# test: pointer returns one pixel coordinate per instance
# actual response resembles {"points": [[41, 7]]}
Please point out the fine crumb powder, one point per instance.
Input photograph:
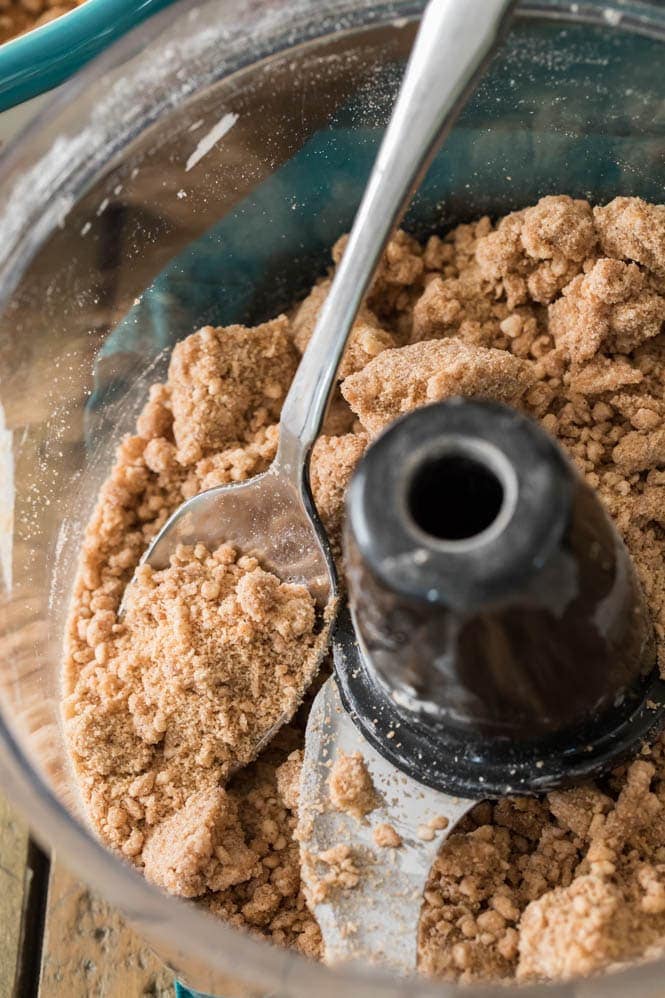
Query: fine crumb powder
{"points": [[351, 787], [218, 653], [557, 309], [200, 848]]}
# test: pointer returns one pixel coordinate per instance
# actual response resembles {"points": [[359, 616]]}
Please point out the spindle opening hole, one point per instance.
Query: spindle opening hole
{"points": [[455, 497]]}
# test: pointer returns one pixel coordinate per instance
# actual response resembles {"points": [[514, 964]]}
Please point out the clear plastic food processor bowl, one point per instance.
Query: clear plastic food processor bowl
{"points": [[198, 172]]}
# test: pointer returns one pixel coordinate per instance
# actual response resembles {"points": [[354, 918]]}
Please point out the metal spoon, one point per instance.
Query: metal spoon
{"points": [[273, 515]]}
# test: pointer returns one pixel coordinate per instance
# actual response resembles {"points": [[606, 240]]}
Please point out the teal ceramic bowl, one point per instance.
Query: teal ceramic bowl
{"points": [[43, 58]]}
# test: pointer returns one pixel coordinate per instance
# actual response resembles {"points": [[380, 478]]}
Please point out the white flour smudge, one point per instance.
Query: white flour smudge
{"points": [[224, 125]]}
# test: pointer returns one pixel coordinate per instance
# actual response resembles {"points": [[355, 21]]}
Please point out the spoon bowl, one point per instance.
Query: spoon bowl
{"points": [[267, 516]]}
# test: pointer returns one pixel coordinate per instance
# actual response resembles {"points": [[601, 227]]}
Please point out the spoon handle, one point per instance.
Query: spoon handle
{"points": [[455, 41]]}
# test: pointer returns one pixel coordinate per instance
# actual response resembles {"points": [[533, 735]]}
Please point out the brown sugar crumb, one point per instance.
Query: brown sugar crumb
{"points": [[386, 837], [227, 383], [637, 451], [457, 306], [367, 338], [611, 306], [342, 872], [351, 787], [234, 464], [534, 253], [135, 750], [131, 717], [397, 281], [613, 911], [199, 848], [288, 779], [576, 809], [463, 933], [271, 903], [436, 311], [218, 652], [631, 229], [572, 930], [556, 308], [103, 734], [401, 380], [212, 655], [603, 374]]}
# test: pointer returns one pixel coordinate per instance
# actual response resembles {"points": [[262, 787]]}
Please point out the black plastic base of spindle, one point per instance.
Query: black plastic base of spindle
{"points": [[459, 763]]}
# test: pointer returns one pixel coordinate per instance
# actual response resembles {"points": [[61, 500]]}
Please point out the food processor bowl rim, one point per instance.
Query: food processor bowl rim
{"points": [[212, 942]]}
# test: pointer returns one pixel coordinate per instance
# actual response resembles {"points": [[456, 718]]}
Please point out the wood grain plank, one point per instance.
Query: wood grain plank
{"points": [[14, 842], [90, 952]]}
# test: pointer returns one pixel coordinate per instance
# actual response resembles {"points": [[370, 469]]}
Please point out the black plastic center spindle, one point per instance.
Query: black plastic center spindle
{"points": [[454, 496], [506, 640]]}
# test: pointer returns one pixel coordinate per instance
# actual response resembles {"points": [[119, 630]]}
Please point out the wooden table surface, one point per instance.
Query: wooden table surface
{"points": [[57, 939]]}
